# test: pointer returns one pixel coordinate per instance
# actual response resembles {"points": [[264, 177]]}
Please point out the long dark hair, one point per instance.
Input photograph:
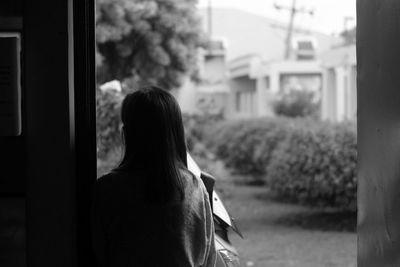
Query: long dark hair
{"points": [[154, 140]]}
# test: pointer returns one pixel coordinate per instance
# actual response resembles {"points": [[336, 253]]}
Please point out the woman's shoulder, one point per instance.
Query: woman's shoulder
{"points": [[194, 183], [120, 187], [119, 178], [190, 177], [107, 179]]}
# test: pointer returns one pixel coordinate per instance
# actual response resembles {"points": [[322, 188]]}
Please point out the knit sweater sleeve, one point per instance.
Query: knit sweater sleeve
{"points": [[211, 254]]}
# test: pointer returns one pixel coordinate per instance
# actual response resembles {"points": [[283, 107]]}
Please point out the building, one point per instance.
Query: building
{"points": [[257, 69], [255, 83], [246, 69], [247, 33], [339, 95], [210, 93]]}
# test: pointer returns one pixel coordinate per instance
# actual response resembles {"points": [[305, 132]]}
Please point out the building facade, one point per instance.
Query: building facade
{"points": [[339, 94], [209, 95], [243, 72], [255, 84]]}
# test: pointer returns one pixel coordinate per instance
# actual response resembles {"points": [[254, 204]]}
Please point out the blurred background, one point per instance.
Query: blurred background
{"points": [[268, 92]]}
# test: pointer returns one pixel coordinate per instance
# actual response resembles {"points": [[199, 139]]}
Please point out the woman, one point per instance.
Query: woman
{"points": [[151, 211]]}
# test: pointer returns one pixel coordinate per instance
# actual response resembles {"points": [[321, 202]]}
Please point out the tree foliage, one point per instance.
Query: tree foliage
{"points": [[300, 160], [150, 41], [297, 103], [349, 36], [108, 105]]}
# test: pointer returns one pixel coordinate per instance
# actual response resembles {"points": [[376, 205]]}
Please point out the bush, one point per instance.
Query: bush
{"points": [[197, 125], [297, 104], [316, 165], [301, 160], [245, 146], [109, 161], [108, 104], [220, 138]]}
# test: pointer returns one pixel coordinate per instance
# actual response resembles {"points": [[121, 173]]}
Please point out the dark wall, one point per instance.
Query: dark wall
{"points": [[378, 58], [46, 173], [50, 150], [12, 157], [12, 168], [11, 8]]}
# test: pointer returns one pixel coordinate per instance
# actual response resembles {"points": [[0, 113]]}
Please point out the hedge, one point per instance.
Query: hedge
{"points": [[317, 166], [196, 125], [108, 105], [300, 160], [297, 103], [246, 145]]}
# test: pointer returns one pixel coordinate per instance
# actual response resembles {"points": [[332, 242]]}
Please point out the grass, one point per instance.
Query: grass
{"points": [[283, 235]]}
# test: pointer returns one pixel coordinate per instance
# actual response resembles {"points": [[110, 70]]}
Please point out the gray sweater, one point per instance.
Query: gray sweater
{"points": [[129, 229]]}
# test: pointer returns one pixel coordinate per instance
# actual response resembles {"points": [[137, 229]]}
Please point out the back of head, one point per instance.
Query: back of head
{"points": [[154, 139]]}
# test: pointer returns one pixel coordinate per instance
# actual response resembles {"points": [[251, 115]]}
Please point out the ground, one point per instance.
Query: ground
{"points": [[282, 235]]}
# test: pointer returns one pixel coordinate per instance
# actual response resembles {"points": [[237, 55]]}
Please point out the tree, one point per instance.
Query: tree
{"points": [[153, 41], [297, 103], [349, 36]]}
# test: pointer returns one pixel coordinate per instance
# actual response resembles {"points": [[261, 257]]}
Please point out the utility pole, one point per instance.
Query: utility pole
{"points": [[293, 12], [209, 17], [210, 25]]}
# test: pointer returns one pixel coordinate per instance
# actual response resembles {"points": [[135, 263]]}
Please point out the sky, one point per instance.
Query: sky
{"points": [[328, 14]]}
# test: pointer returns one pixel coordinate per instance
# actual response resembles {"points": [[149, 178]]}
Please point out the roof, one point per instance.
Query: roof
{"points": [[257, 34], [339, 56]]}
